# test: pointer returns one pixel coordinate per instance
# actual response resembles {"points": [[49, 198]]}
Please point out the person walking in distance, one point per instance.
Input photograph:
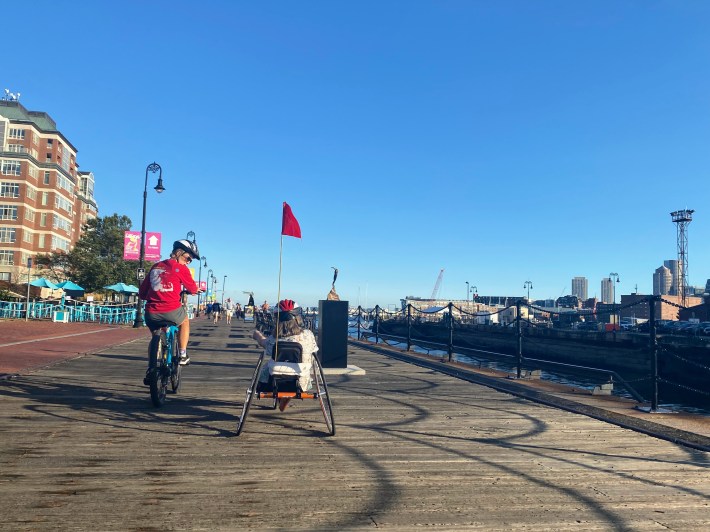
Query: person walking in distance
{"points": [[216, 311], [228, 310]]}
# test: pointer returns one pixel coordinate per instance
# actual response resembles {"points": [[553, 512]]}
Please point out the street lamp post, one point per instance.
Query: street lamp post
{"points": [[528, 285], [467, 293], [199, 283], [224, 284], [474, 291], [210, 276], [613, 276], [154, 168]]}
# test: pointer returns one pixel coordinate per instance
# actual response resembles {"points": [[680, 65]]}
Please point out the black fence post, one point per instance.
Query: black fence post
{"points": [[451, 331], [359, 319], [520, 338], [409, 326], [377, 324], [654, 351]]}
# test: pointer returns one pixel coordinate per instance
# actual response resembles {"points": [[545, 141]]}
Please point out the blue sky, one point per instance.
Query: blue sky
{"points": [[502, 141]]}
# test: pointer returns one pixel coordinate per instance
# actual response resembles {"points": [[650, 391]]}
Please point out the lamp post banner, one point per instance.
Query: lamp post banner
{"points": [[152, 246], [131, 245], [203, 286]]}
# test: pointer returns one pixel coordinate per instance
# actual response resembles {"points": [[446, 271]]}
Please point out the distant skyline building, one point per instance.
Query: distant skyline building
{"points": [[674, 266], [44, 198], [580, 287], [607, 290], [662, 281]]}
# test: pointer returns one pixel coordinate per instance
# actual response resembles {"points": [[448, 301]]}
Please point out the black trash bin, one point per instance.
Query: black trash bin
{"points": [[333, 333]]}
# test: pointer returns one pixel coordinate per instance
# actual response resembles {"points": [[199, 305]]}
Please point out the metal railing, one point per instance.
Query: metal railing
{"points": [[448, 328]]}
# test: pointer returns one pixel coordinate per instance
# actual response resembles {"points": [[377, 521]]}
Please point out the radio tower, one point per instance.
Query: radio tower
{"points": [[682, 219]]}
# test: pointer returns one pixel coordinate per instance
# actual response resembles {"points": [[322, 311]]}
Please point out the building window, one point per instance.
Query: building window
{"points": [[7, 257], [40, 241], [49, 143], [35, 138], [45, 198], [66, 184], [31, 171], [61, 223], [30, 192], [46, 178], [7, 235], [43, 219], [49, 158], [29, 214], [9, 190], [61, 202], [8, 212], [60, 243], [11, 167], [5, 276], [16, 133], [27, 236]]}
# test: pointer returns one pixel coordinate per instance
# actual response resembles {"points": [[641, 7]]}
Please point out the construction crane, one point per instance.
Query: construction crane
{"points": [[437, 286]]}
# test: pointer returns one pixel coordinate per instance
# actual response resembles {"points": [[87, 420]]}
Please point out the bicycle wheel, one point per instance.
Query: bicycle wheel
{"points": [[158, 372], [176, 368], [323, 397], [250, 395]]}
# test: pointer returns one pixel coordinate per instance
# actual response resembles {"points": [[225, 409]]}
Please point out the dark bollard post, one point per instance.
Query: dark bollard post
{"points": [[377, 324], [451, 331], [359, 319], [409, 326], [654, 351], [520, 338]]}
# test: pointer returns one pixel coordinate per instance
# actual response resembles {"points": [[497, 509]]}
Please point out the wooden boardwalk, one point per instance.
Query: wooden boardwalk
{"points": [[82, 448]]}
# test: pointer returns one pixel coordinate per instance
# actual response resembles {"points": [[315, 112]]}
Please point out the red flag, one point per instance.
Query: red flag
{"points": [[289, 224]]}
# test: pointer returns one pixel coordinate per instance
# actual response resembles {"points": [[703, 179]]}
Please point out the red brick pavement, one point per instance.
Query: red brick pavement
{"points": [[27, 345]]}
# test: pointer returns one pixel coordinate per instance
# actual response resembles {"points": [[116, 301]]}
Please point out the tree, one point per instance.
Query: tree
{"points": [[97, 258]]}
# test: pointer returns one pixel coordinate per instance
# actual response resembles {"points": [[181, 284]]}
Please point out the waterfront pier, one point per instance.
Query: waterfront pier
{"points": [[82, 447]]}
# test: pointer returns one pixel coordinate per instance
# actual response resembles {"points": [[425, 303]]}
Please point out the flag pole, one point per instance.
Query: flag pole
{"points": [[278, 299]]}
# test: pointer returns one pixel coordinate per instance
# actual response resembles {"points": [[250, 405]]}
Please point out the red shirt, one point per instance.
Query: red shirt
{"points": [[161, 288]]}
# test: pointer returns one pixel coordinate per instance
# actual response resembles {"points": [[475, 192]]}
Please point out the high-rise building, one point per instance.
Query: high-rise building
{"points": [[674, 266], [607, 290], [44, 198], [580, 287], [662, 281]]}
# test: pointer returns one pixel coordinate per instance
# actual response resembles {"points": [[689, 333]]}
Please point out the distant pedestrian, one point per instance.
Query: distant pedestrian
{"points": [[216, 311], [265, 306], [209, 310], [238, 311], [228, 310]]}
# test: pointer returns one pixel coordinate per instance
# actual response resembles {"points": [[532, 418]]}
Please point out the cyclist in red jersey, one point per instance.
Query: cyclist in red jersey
{"points": [[161, 290]]}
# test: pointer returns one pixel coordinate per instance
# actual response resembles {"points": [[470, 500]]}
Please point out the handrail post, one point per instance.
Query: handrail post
{"points": [[359, 319], [377, 324], [654, 351], [451, 331], [409, 326], [520, 338]]}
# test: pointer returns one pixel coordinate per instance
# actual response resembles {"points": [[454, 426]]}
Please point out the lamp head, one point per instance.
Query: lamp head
{"points": [[159, 187]]}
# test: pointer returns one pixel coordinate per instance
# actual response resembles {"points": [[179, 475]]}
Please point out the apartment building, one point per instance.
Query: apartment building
{"points": [[44, 198], [580, 287]]}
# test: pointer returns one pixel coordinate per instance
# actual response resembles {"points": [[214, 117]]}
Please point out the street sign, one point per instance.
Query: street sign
{"points": [[140, 274]]}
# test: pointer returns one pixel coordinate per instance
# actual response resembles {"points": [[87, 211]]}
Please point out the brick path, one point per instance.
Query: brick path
{"points": [[28, 345]]}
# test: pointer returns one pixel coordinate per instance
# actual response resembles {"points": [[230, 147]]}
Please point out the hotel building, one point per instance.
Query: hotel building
{"points": [[44, 198]]}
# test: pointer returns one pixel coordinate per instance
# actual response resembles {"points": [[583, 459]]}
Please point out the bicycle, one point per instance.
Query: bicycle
{"points": [[164, 362]]}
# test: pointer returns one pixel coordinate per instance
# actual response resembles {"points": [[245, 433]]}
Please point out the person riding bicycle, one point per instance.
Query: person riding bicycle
{"points": [[161, 290]]}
